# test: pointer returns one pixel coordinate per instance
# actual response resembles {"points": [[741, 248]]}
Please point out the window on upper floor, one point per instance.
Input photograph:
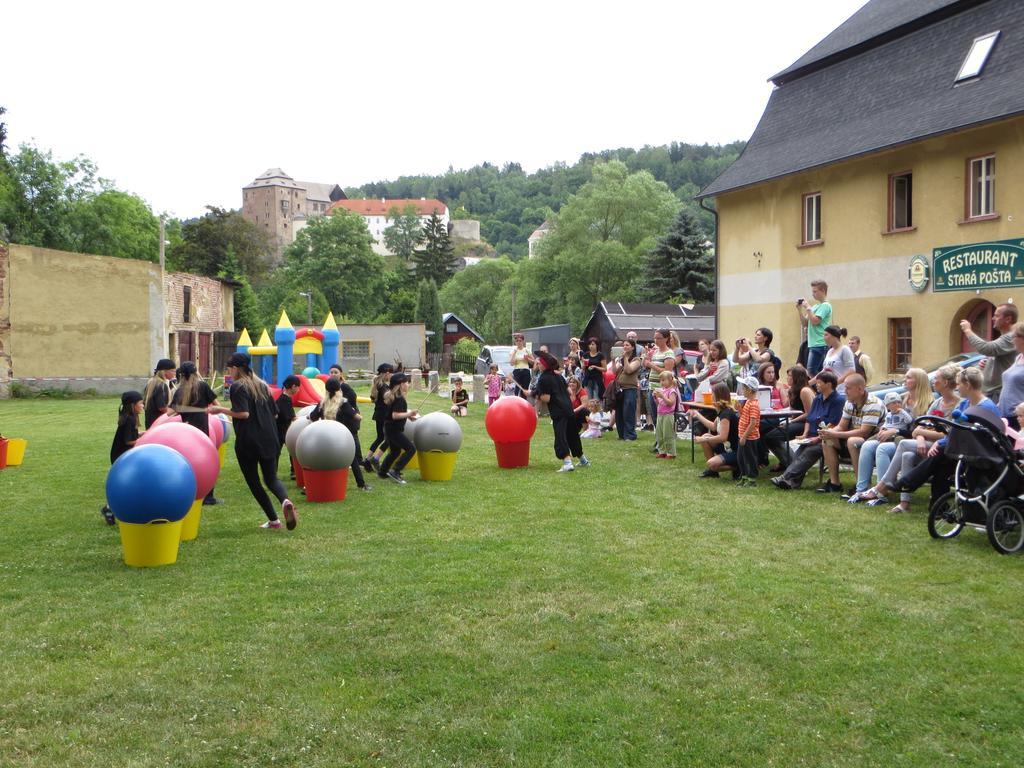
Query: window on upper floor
{"points": [[811, 219], [977, 57], [901, 201], [186, 304], [981, 189]]}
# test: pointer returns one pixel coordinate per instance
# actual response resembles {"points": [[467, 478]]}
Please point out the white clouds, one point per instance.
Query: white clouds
{"points": [[186, 103]]}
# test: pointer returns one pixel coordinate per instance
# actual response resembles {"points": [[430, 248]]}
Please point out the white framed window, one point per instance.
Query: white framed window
{"points": [[811, 219], [451, 328], [977, 57], [355, 350], [981, 190]]}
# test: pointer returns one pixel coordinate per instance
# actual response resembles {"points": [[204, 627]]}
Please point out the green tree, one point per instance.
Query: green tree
{"points": [[205, 243], [428, 312], [115, 223], [595, 247], [436, 260], [401, 303], [3, 132], [472, 294], [334, 254], [405, 233], [680, 267], [277, 295]]}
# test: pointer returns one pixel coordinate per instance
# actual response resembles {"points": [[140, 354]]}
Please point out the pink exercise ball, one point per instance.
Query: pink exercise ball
{"points": [[216, 429], [191, 443], [609, 376], [166, 418], [510, 420]]}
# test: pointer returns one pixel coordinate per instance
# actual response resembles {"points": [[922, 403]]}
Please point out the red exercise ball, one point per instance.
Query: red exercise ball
{"points": [[609, 376], [191, 443], [510, 420]]}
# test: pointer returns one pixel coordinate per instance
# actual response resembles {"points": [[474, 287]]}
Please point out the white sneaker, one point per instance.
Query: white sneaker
{"points": [[567, 468]]}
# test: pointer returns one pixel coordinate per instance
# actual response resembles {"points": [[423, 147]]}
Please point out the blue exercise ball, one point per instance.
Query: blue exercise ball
{"points": [[150, 482]]}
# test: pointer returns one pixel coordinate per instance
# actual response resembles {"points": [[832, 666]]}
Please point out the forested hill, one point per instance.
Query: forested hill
{"points": [[510, 204]]}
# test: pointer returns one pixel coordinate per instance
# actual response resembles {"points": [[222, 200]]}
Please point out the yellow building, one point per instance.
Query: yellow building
{"points": [[889, 162]]}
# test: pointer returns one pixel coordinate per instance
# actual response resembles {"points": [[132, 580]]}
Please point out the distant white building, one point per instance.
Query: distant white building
{"points": [[536, 236], [375, 214]]}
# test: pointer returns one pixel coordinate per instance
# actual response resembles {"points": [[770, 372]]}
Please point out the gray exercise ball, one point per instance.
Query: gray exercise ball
{"points": [[293, 433], [325, 445], [438, 432], [305, 411], [410, 429]]}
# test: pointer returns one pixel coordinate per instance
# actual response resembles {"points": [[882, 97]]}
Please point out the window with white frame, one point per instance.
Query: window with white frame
{"points": [[977, 57], [812, 218], [982, 187]]}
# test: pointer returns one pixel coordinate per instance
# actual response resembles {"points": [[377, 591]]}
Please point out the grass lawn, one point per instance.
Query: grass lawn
{"points": [[630, 614]]}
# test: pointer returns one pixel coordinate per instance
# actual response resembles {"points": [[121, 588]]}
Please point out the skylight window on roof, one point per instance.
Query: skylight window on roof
{"points": [[975, 61]]}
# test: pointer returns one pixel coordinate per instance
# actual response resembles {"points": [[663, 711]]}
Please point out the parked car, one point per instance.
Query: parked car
{"points": [[494, 355], [963, 360]]}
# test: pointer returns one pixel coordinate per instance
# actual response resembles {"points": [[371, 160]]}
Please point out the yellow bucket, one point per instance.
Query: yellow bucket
{"points": [[436, 465], [222, 452], [150, 544], [190, 523], [16, 451]]}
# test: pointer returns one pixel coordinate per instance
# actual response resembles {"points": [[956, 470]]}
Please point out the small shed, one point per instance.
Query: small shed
{"points": [[455, 328], [556, 337], [612, 320]]}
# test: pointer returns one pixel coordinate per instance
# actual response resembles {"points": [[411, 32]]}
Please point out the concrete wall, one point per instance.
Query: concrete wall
{"points": [[82, 321], [388, 342], [5, 321], [466, 229], [764, 269]]}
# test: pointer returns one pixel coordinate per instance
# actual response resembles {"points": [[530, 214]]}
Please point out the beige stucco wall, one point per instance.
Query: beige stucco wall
{"points": [[763, 270], [78, 315]]}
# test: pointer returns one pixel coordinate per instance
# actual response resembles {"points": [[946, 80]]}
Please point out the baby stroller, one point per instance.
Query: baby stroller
{"points": [[987, 483]]}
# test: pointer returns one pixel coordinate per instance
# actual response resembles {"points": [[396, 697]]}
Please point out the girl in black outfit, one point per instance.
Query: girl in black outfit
{"points": [[190, 400], [552, 390], [400, 448], [593, 370], [158, 391], [336, 406], [125, 436], [378, 387], [256, 447]]}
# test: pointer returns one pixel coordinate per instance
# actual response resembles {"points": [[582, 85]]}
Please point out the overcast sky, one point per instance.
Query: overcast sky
{"points": [[184, 103]]}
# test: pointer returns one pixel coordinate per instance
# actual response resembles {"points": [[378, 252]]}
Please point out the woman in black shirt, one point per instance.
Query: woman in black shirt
{"points": [[190, 400], [336, 406], [593, 366], [256, 446], [552, 390], [400, 448], [378, 387]]}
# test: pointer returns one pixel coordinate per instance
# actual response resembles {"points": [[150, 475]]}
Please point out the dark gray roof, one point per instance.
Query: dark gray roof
{"points": [[877, 19], [896, 93]]}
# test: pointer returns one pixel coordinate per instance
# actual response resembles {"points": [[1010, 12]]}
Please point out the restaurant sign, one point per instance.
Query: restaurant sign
{"points": [[979, 266]]}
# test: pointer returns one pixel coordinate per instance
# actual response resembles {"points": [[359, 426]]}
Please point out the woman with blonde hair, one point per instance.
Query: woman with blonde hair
{"points": [[254, 415], [191, 400]]}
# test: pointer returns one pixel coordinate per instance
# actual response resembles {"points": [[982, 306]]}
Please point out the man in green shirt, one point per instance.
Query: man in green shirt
{"points": [[818, 317]]}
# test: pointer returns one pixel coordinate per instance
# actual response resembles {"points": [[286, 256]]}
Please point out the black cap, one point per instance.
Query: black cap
{"points": [[398, 378], [188, 368], [165, 365], [385, 368], [130, 397], [240, 360]]}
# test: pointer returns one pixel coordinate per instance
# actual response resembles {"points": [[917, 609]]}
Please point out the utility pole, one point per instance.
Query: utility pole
{"points": [[309, 305]]}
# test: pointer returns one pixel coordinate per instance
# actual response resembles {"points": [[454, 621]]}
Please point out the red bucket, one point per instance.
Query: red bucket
{"points": [[513, 455], [325, 485], [299, 477], [3, 452]]}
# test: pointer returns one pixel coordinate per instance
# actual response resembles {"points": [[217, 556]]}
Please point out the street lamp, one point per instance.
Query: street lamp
{"points": [[308, 295]]}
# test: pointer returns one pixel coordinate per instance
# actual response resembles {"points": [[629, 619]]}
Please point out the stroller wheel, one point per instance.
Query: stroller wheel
{"points": [[1005, 528], [945, 518]]}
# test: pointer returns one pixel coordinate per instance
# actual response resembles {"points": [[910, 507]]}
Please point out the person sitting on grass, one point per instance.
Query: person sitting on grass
{"points": [[720, 441], [750, 432], [667, 398], [826, 410], [862, 414], [460, 399], [593, 419]]}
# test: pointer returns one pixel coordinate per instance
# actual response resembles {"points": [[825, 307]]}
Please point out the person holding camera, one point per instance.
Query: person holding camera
{"points": [[818, 317]]}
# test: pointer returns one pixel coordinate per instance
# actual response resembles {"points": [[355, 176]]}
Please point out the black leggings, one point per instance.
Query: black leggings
{"points": [[357, 462], [567, 437], [522, 378], [251, 465], [381, 440], [401, 448]]}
